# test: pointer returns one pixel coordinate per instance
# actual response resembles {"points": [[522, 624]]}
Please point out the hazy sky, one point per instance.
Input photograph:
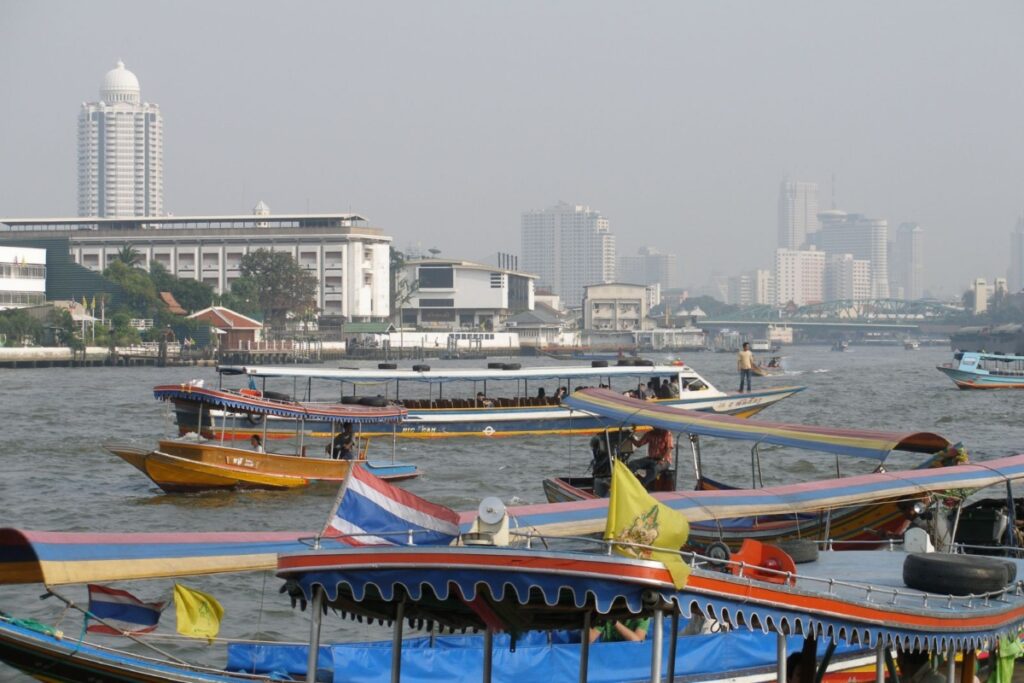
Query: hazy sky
{"points": [[443, 121]]}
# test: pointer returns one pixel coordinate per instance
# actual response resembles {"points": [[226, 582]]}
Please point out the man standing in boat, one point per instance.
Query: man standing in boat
{"points": [[745, 364], [659, 455]]}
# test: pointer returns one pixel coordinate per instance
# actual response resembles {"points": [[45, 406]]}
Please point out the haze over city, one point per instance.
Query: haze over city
{"points": [[444, 122]]}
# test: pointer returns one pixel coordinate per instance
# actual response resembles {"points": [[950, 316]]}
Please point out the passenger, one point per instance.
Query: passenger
{"points": [[659, 455], [482, 401], [673, 388], [561, 393], [541, 393], [343, 446], [257, 443], [616, 631], [745, 364], [663, 390]]}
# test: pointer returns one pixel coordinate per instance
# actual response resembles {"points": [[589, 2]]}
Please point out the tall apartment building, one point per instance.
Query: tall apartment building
{"points": [[798, 213], [865, 238], [120, 151], [906, 262], [847, 278], [647, 267], [1015, 274], [568, 246], [799, 276], [753, 288]]}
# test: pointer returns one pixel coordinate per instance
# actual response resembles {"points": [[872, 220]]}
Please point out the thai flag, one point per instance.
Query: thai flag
{"points": [[124, 612], [370, 511]]}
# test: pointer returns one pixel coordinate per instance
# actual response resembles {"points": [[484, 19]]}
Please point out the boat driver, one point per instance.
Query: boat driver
{"points": [[659, 455], [343, 446]]}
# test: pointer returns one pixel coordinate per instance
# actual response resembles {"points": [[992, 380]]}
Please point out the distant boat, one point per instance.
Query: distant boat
{"points": [[911, 345], [841, 345], [977, 370]]}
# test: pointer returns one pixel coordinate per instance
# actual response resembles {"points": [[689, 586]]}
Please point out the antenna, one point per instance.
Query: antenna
{"points": [[834, 190]]}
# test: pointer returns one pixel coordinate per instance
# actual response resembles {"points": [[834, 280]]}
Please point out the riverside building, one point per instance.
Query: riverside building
{"points": [[120, 151], [350, 260], [22, 277]]}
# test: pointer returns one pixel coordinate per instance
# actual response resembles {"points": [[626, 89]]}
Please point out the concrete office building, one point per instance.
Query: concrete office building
{"points": [[452, 294], [22, 277], [906, 265], [847, 278], [615, 307], [865, 238], [120, 151], [799, 276], [568, 247], [350, 260], [647, 267], [798, 213]]}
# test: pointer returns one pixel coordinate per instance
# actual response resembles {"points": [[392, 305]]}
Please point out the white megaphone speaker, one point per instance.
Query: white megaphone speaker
{"points": [[490, 526]]}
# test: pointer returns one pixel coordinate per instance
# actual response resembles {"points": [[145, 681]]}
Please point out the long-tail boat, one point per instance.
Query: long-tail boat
{"points": [[857, 598], [196, 464], [862, 524], [494, 402]]}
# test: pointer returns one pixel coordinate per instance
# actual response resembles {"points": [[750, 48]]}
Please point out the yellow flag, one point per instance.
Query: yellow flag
{"points": [[634, 516], [198, 613]]}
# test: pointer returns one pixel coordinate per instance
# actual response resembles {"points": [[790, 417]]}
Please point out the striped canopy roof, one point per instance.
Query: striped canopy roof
{"points": [[258, 405], [620, 410]]}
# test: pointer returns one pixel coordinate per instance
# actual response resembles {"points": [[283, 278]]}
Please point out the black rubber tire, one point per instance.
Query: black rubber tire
{"points": [[510, 366], [349, 400], [421, 367], [387, 366], [494, 366], [645, 363], [801, 550], [277, 396], [373, 401], [598, 363], [625, 362], [254, 418], [957, 574], [719, 553]]}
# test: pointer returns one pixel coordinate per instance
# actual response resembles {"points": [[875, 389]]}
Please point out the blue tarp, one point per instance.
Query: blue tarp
{"points": [[458, 658]]}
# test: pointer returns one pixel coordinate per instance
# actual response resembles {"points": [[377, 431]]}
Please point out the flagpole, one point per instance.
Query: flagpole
{"points": [[106, 623]]}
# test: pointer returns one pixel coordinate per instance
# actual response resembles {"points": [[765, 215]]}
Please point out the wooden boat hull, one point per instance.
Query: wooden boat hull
{"points": [[181, 467], [448, 422], [859, 527]]}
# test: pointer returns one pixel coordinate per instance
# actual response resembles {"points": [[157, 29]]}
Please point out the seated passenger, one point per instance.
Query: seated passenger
{"points": [[343, 446], [659, 455], [482, 401], [617, 631]]}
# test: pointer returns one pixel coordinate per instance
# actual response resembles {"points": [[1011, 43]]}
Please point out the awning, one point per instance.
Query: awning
{"points": [[620, 410]]}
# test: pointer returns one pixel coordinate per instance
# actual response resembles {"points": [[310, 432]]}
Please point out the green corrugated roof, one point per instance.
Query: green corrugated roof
{"points": [[366, 328]]}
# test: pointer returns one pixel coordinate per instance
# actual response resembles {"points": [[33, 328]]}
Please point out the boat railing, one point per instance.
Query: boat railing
{"points": [[871, 593]]}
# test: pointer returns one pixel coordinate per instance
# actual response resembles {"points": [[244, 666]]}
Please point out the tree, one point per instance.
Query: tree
{"points": [[129, 256], [282, 286], [137, 285], [243, 297], [18, 325]]}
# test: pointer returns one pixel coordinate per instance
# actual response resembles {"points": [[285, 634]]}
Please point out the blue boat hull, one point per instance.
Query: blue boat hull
{"points": [[981, 380]]}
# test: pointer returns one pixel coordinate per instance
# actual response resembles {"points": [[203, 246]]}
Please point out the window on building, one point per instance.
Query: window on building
{"points": [[437, 303], [436, 277]]}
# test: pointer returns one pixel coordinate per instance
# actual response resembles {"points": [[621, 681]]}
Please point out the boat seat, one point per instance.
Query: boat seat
{"points": [[756, 557], [443, 403]]}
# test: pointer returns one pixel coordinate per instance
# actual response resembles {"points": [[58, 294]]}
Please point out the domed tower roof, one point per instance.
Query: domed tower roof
{"points": [[120, 85], [261, 209]]}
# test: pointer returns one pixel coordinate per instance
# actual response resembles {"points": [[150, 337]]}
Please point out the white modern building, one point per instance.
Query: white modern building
{"points": [[452, 295], [568, 246], [22, 277], [350, 260], [647, 267], [865, 238], [981, 293], [847, 278], [798, 213], [120, 151], [799, 276], [906, 265], [614, 307]]}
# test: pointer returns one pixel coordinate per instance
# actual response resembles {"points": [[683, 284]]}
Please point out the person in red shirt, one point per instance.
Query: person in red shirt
{"points": [[659, 455]]}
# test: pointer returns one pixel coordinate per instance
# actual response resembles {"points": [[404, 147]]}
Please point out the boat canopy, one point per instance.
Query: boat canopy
{"points": [[258, 405], [56, 557], [618, 409], [357, 375], [589, 516]]}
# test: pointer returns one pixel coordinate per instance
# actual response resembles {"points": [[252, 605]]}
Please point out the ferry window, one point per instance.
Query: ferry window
{"points": [[436, 277]]}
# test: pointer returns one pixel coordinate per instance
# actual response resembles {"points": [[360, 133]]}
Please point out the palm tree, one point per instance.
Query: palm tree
{"points": [[129, 256]]}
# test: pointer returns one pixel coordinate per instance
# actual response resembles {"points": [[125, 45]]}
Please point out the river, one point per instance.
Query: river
{"points": [[57, 476]]}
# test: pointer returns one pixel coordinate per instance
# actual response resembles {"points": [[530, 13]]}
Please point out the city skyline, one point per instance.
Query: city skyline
{"points": [[681, 150]]}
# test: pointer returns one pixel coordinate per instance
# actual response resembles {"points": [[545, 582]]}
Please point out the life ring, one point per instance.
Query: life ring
{"points": [[957, 574], [488, 430]]}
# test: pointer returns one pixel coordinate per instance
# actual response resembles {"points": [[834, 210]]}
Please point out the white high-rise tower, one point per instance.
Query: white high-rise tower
{"points": [[120, 151], [798, 213]]}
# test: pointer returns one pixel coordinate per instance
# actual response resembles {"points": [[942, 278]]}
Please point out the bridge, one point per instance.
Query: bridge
{"points": [[893, 316]]}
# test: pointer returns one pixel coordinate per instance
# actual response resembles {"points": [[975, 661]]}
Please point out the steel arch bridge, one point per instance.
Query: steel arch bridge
{"points": [[849, 309]]}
